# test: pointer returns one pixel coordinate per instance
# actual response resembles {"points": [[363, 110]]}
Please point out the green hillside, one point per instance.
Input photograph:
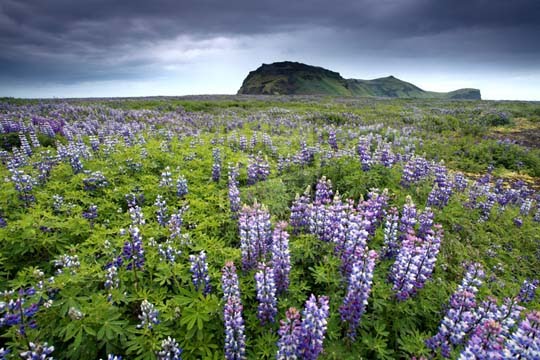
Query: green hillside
{"points": [[292, 78]]}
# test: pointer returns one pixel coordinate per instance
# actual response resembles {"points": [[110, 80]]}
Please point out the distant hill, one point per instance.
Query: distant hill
{"points": [[293, 78]]}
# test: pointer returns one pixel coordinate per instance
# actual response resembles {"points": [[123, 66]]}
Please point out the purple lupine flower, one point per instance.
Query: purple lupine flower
{"points": [[3, 353], [17, 310], [314, 324], [76, 163], [440, 193], [166, 178], [170, 350], [25, 145], [391, 244], [38, 352], [149, 315], [167, 251], [340, 216], [363, 149], [234, 197], [199, 271], [320, 221], [181, 186], [415, 263], [408, 217], [358, 290], [255, 235], [373, 209], [355, 245], [133, 252], [281, 258], [111, 280], [3, 222], [216, 166], [323, 191], [414, 171], [486, 206], [66, 261], [425, 223], [235, 339], [24, 185], [175, 223], [96, 180], [460, 182], [134, 199], [136, 215], [486, 343], [525, 341], [527, 292], [258, 169], [384, 155], [332, 139], [161, 211], [307, 155], [299, 213], [266, 294], [243, 143], [461, 315], [289, 333], [91, 214], [253, 141], [229, 281], [507, 315]]}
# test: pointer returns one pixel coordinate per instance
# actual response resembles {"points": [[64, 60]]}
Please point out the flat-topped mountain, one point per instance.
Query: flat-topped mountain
{"points": [[293, 78]]}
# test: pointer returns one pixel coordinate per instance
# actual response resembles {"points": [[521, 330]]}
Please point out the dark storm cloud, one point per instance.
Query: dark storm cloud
{"points": [[67, 40]]}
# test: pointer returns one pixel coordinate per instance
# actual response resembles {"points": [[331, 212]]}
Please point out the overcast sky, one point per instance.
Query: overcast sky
{"points": [[72, 48]]}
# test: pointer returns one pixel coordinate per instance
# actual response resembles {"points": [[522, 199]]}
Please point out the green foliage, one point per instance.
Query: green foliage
{"points": [[87, 321]]}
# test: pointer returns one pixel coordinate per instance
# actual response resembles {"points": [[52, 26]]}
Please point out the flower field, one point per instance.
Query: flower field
{"points": [[268, 227]]}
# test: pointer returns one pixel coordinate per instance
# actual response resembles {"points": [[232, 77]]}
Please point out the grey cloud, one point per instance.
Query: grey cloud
{"points": [[73, 40]]}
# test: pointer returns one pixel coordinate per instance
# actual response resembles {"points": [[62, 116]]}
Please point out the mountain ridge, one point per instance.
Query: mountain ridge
{"points": [[294, 78]]}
